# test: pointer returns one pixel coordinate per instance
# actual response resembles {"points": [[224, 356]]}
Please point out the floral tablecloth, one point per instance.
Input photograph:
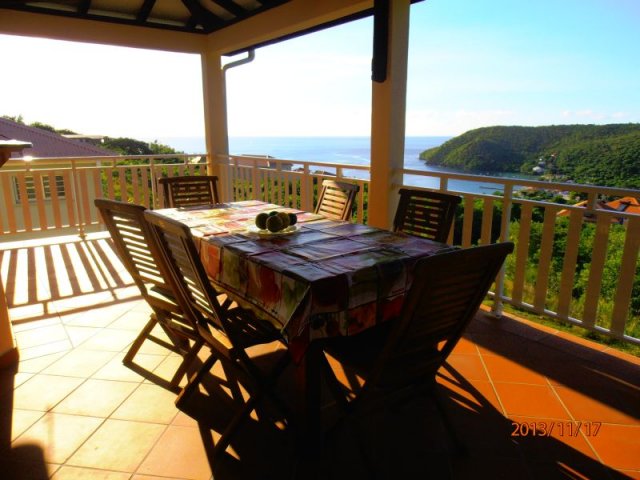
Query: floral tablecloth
{"points": [[328, 278]]}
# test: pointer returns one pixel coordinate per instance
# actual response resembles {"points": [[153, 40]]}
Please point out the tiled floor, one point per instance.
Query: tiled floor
{"points": [[73, 411]]}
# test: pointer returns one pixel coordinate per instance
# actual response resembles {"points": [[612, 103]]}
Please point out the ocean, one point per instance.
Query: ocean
{"points": [[353, 150]]}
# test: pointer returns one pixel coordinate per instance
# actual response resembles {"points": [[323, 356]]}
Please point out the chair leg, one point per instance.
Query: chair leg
{"points": [[186, 362], [195, 380], [137, 343]]}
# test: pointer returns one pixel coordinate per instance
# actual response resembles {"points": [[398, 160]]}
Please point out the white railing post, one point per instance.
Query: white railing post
{"points": [[76, 200], [505, 223]]}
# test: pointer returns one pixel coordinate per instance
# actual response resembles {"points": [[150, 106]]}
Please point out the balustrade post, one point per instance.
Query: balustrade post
{"points": [[505, 223], [76, 200]]}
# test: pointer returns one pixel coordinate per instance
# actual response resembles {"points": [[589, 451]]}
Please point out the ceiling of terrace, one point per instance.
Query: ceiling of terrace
{"points": [[194, 16]]}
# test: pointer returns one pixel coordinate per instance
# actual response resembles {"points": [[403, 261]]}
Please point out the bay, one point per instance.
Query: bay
{"points": [[345, 150]]}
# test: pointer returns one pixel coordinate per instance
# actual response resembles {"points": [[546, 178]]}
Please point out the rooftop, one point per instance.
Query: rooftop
{"points": [[74, 411], [47, 144]]}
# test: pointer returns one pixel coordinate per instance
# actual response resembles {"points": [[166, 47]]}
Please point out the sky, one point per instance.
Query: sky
{"points": [[472, 63]]}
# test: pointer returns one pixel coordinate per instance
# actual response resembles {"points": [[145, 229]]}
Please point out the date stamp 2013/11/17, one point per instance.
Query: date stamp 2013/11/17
{"points": [[562, 429]]}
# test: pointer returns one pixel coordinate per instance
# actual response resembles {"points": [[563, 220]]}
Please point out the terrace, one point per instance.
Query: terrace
{"points": [[73, 410]]}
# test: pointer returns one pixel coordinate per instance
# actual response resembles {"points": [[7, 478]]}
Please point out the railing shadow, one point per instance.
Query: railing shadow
{"points": [[598, 375], [65, 277]]}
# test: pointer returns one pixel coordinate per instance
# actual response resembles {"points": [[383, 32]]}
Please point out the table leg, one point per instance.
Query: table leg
{"points": [[308, 392]]}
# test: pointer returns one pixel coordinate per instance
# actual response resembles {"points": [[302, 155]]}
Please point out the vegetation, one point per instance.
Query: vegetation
{"points": [[610, 275], [607, 155]]}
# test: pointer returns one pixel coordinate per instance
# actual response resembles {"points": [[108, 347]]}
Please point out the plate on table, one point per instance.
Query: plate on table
{"points": [[266, 233]]}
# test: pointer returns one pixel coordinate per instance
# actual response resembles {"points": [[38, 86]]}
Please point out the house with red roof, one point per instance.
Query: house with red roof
{"points": [[624, 204], [48, 180]]}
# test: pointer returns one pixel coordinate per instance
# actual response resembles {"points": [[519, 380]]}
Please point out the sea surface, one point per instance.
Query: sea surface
{"points": [[349, 150]]}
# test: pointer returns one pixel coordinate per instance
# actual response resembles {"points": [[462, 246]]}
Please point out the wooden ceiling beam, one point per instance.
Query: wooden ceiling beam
{"points": [[145, 10], [201, 15], [84, 7], [231, 7]]}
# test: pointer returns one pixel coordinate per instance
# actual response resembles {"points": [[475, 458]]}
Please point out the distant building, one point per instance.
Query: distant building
{"points": [[48, 144], [624, 204], [45, 187]]}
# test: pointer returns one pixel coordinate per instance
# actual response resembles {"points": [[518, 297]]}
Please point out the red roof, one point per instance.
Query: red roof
{"points": [[47, 144], [624, 204]]}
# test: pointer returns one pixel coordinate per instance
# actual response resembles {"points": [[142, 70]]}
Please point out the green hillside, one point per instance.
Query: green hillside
{"points": [[597, 154]]}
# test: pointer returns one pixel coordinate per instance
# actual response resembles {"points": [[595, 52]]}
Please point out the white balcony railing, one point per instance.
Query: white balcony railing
{"points": [[580, 266]]}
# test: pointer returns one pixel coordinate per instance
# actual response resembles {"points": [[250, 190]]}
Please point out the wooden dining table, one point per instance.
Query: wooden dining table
{"points": [[320, 279]]}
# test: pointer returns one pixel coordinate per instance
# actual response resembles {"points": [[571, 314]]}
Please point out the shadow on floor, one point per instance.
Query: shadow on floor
{"points": [[406, 440], [25, 462], [600, 376], [42, 278]]}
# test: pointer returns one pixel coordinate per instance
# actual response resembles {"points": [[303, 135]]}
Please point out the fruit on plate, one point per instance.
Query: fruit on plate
{"points": [[284, 218], [274, 223], [261, 220]]}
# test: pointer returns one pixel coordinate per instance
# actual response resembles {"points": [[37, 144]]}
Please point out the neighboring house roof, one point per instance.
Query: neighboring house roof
{"points": [[624, 204], [47, 144]]}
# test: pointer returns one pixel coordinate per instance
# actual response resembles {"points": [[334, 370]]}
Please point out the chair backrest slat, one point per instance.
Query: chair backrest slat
{"points": [[194, 292], [130, 234], [336, 199], [427, 214], [190, 190], [445, 295]]}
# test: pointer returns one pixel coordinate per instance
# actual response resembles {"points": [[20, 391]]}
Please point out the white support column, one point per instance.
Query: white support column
{"points": [[388, 107], [215, 111]]}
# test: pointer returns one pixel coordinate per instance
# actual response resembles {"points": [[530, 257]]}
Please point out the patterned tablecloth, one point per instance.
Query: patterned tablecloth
{"points": [[327, 278]]}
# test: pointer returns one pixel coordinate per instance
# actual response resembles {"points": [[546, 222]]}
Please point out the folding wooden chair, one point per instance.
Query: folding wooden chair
{"points": [[131, 237], [401, 356], [425, 214], [189, 191], [336, 199], [228, 333]]}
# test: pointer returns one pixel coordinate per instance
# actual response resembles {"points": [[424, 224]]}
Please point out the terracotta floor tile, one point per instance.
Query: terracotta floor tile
{"points": [[110, 339], [115, 370], [184, 420], [59, 346], [618, 445], [470, 366], [148, 403], [466, 345], [43, 392], [476, 397], [151, 477], [40, 336], [78, 473], [59, 435], [37, 364], [551, 439], [21, 420], [167, 368], [26, 326], [618, 405], [133, 320], [530, 401], [505, 370], [97, 398], [117, 445], [21, 377], [97, 319], [79, 363], [179, 453], [77, 335]]}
